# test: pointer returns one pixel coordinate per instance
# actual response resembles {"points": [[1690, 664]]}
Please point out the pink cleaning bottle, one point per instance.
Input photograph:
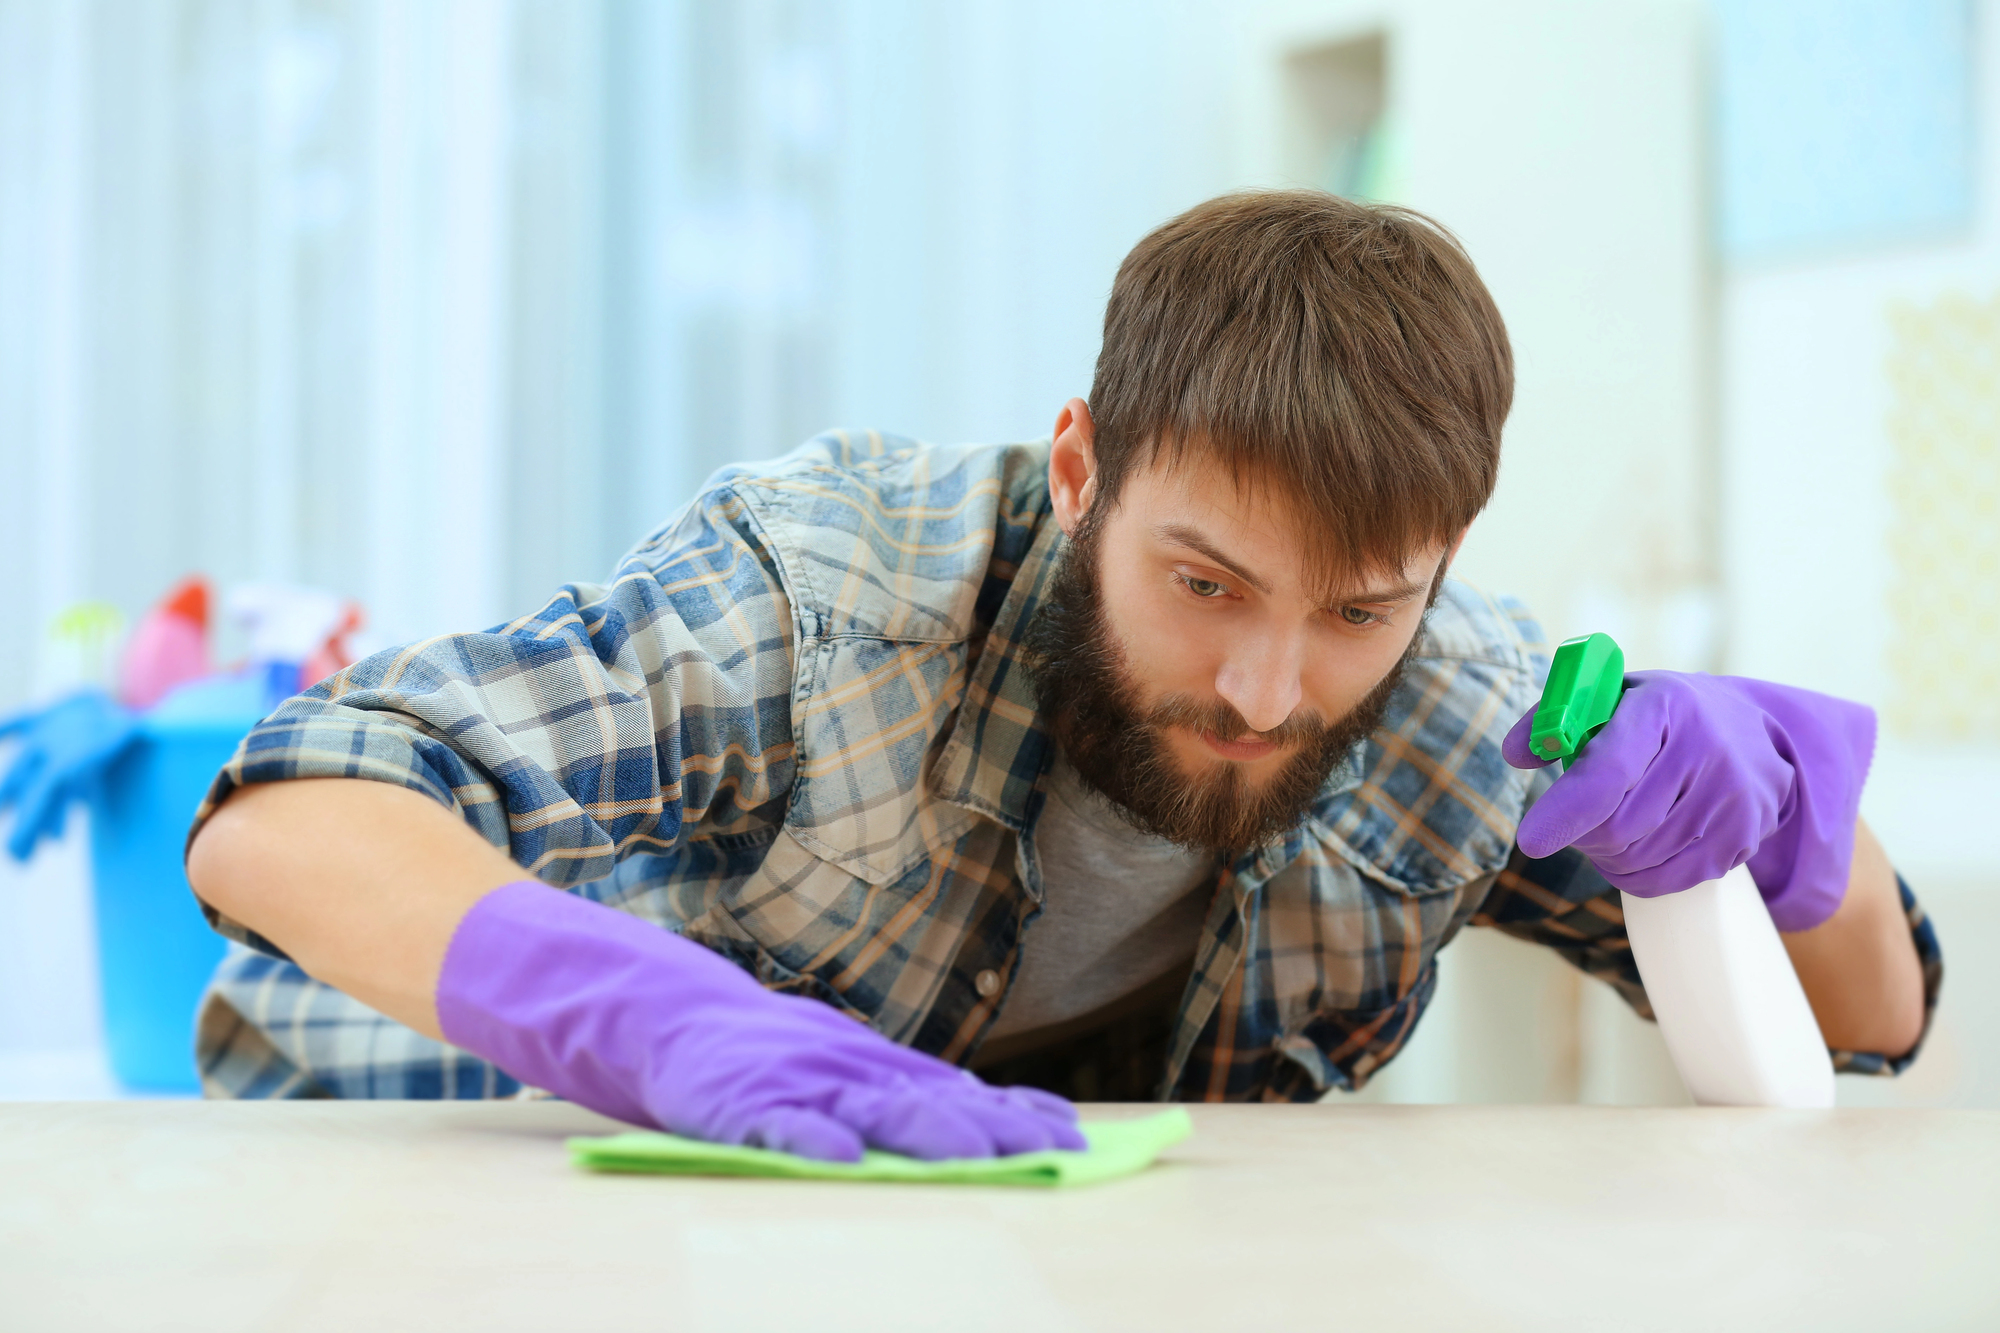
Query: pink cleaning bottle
{"points": [[169, 648]]}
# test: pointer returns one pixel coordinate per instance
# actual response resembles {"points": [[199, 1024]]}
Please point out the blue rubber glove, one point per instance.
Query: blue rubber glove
{"points": [[1695, 775], [636, 1022], [64, 750]]}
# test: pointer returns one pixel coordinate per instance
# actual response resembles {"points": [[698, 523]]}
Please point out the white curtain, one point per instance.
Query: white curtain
{"points": [[258, 316], [439, 304], [401, 299]]}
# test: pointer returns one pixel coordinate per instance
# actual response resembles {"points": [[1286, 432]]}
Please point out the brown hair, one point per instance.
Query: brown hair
{"points": [[1344, 356]]}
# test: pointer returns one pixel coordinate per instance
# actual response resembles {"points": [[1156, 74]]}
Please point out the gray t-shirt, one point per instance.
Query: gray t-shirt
{"points": [[1120, 910]]}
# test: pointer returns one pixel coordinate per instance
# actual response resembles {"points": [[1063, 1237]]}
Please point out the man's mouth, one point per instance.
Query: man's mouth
{"points": [[1242, 749]]}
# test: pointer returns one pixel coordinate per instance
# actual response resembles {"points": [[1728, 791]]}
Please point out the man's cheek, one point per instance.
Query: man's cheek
{"points": [[1167, 659], [1136, 626], [1348, 677]]}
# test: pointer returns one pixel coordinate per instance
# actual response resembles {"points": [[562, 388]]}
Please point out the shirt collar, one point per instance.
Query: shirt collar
{"points": [[998, 747]]}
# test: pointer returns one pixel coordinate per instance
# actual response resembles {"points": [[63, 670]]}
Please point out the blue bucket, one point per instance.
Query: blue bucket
{"points": [[155, 950]]}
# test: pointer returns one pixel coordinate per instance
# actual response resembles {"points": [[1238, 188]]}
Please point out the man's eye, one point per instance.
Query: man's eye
{"points": [[1203, 587], [1357, 617]]}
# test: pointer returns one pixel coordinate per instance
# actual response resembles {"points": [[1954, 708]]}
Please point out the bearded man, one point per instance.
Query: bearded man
{"points": [[893, 795]]}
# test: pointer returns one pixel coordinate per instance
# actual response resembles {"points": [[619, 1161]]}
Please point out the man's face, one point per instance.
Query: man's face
{"points": [[1193, 668]]}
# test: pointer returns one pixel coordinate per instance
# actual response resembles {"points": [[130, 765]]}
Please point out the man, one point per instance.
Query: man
{"points": [[1158, 760]]}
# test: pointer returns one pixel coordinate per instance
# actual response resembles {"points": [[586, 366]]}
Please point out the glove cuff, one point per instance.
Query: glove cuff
{"points": [[1802, 868], [569, 995]]}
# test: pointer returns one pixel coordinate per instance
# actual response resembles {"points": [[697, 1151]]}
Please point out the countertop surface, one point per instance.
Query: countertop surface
{"points": [[351, 1216]]}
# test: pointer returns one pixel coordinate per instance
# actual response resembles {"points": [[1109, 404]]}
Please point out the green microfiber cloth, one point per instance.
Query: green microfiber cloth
{"points": [[1117, 1148]]}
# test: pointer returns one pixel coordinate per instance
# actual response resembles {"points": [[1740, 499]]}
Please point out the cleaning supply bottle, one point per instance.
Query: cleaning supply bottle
{"points": [[1722, 987], [169, 648], [297, 636]]}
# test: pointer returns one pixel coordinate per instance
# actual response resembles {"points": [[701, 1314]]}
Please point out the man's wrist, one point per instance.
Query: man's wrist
{"points": [[1859, 965]]}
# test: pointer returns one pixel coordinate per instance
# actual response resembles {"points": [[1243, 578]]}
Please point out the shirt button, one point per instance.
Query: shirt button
{"points": [[986, 982]]}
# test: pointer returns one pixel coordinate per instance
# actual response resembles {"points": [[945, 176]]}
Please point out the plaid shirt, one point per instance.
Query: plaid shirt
{"points": [[795, 727]]}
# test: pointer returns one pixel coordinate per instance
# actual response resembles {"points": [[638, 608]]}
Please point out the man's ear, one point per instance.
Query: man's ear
{"points": [[1451, 552], [1073, 464]]}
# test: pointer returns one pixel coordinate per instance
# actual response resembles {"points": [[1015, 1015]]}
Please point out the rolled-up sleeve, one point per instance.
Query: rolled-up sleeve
{"points": [[606, 723]]}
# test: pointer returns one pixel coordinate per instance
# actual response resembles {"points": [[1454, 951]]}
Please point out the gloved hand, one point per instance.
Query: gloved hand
{"points": [[632, 1020], [1695, 775], [64, 750]]}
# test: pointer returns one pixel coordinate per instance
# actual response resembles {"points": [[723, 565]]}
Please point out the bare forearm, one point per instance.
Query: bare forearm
{"points": [[362, 883], [1859, 967]]}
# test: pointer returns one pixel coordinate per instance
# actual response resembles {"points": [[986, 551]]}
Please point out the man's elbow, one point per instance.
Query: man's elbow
{"points": [[1890, 1028], [219, 856]]}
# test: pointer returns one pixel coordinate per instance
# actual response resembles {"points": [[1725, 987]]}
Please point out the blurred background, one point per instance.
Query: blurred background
{"points": [[432, 306]]}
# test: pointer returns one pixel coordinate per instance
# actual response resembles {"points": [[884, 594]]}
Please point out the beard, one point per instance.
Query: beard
{"points": [[1118, 744]]}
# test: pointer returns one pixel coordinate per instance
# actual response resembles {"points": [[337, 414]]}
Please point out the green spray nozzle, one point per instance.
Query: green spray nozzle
{"points": [[1585, 680]]}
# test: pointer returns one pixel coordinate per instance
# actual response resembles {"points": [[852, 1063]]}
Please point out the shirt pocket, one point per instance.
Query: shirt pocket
{"points": [[805, 925], [1344, 965], [1344, 1048], [867, 720]]}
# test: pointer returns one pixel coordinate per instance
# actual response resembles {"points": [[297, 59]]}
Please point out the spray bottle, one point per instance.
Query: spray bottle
{"points": [[1734, 1016]]}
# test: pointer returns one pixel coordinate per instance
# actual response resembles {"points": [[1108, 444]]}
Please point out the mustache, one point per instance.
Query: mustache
{"points": [[1217, 717]]}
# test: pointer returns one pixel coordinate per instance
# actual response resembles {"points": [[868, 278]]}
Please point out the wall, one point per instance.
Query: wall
{"points": [[1818, 592]]}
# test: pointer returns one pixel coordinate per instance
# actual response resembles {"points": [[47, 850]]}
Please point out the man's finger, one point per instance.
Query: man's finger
{"points": [[1015, 1129], [915, 1121], [1059, 1109], [1514, 749], [807, 1133], [1590, 792], [1057, 1113]]}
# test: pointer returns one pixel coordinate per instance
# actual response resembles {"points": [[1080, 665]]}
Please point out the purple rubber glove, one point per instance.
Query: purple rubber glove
{"points": [[631, 1020], [1695, 775]]}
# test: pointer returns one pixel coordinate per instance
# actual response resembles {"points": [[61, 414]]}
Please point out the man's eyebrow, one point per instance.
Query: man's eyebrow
{"points": [[1399, 592], [1180, 534]]}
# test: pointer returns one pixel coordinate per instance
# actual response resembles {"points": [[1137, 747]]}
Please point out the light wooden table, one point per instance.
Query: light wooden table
{"points": [[426, 1216]]}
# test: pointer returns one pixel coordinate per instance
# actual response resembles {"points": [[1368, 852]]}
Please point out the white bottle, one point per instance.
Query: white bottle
{"points": [[1728, 1002]]}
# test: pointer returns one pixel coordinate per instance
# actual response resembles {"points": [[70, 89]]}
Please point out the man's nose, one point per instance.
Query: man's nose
{"points": [[1260, 680]]}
